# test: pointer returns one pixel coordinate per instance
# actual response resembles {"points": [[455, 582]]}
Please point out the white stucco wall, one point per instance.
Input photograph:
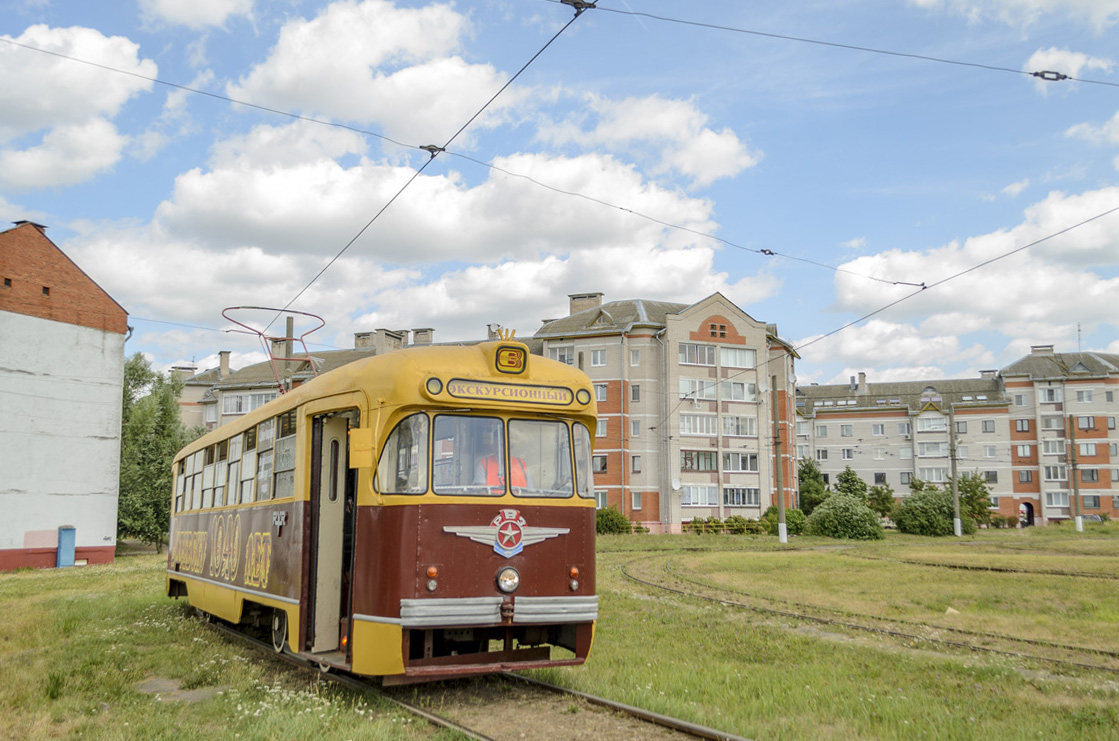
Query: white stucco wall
{"points": [[60, 413]]}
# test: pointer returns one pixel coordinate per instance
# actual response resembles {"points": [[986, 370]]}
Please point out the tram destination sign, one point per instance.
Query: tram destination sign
{"points": [[515, 393]]}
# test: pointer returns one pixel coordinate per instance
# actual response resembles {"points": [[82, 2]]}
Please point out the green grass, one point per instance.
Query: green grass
{"points": [[76, 644]]}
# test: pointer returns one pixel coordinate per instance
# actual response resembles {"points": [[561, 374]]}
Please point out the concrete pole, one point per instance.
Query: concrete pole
{"points": [[1076, 509], [782, 529], [957, 523]]}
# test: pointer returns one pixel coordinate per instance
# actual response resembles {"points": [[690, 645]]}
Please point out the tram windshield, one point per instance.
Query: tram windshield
{"points": [[480, 456]]}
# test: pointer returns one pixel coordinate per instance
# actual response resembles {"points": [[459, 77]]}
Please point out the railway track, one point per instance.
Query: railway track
{"points": [[1041, 652], [513, 707]]}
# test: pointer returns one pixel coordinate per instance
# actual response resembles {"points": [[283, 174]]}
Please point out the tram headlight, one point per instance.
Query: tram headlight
{"points": [[434, 386], [508, 580]]}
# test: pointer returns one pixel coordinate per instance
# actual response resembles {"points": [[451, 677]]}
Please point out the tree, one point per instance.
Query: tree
{"points": [[849, 483], [794, 521], [880, 498], [929, 511], [151, 434], [810, 481], [975, 498], [843, 516]]}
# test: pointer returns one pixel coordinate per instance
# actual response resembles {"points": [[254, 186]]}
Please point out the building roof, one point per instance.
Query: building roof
{"points": [[611, 318], [1039, 365], [912, 395]]}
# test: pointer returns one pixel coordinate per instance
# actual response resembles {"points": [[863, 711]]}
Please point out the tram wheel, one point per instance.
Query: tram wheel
{"points": [[279, 630]]}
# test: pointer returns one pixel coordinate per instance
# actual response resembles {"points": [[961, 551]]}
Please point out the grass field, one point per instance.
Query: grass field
{"points": [[757, 640]]}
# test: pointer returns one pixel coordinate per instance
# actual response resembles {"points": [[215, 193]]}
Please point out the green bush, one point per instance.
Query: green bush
{"points": [[609, 521], [929, 512], [701, 526], [841, 516], [739, 525], [794, 521]]}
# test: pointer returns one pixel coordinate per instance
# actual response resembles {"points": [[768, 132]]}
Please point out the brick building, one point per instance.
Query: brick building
{"points": [[61, 386]]}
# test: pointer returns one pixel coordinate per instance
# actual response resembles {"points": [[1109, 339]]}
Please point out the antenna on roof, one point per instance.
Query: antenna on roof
{"points": [[271, 342]]}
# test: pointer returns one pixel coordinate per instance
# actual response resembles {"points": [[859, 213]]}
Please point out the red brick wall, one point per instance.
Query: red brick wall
{"points": [[37, 279]]}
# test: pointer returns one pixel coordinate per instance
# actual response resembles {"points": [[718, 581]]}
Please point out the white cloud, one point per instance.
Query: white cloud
{"points": [[394, 67], [1063, 61], [196, 14], [674, 129], [39, 91], [68, 155], [1107, 133], [1015, 189], [1099, 13]]}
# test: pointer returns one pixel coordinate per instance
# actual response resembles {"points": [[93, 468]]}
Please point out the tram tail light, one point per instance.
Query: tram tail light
{"points": [[574, 572], [432, 572]]}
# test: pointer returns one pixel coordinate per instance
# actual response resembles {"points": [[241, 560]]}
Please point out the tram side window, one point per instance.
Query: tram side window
{"points": [[284, 462], [402, 468], [248, 466], [180, 485], [208, 479], [265, 435], [233, 479], [584, 479], [540, 458], [196, 480], [220, 473], [469, 455]]}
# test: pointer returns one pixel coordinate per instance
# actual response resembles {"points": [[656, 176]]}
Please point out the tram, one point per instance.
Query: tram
{"points": [[419, 515]]}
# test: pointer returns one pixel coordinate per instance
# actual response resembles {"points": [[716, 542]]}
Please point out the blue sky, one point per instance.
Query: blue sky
{"points": [[862, 172]]}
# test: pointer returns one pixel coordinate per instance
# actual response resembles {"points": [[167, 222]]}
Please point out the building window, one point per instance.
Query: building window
{"points": [[879, 478], [1084, 397], [932, 424], [598, 464], [1049, 395], [600, 498], [46, 290], [1053, 447], [802, 451], [933, 475], [741, 497], [1056, 473], [848, 454], [1109, 396], [988, 425], [821, 430], [693, 354], [244, 403], [1053, 423], [600, 428], [903, 428], [989, 451], [846, 430], [635, 393], [961, 452], [879, 454], [1019, 400], [905, 453], [932, 450], [635, 428], [699, 495], [878, 430], [802, 428], [739, 391], [740, 462], [1022, 425], [210, 414], [1024, 451], [636, 460], [1086, 423], [698, 424], [636, 499], [906, 477], [1090, 501], [697, 460], [1089, 475], [1087, 449], [1056, 499], [696, 388], [821, 454], [734, 357], [961, 428], [1111, 423], [563, 353], [598, 358], [740, 426], [600, 392], [635, 357], [991, 477], [1025, 477]]}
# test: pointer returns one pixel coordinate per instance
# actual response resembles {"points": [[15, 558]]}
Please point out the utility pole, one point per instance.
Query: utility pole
{"points": [[1072, 472], [957, 523], [782, 530]]}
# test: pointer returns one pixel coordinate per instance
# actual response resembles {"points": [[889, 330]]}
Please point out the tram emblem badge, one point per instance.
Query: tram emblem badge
{"points": [[507, 533]]}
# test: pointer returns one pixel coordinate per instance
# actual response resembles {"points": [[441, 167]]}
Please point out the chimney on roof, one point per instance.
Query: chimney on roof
{"points": [[1041, 349], [862, 382], [422, 336], [854, 386], [988, 375], [183, 372], [363, 340], [583, 301], [223, 365]]}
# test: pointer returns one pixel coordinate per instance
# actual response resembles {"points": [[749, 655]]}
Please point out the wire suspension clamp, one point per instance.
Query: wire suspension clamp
{"points": [[432, 149], [579, 5], [1050, 75]]}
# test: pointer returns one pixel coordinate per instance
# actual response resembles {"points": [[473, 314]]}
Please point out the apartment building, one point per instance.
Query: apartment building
{"points": [[1037, 431], [689, 398]]}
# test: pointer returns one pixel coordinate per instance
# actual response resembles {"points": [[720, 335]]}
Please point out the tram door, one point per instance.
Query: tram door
{"points": [[328, 504]]}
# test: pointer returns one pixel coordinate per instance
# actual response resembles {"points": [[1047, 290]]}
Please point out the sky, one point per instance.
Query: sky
{"points": [[884, 181]]}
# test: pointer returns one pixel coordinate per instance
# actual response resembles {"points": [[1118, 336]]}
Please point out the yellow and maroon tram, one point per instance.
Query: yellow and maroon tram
{"points": [[417, 515]]}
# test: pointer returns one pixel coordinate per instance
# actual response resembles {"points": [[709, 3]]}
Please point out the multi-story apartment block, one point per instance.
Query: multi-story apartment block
{"points": [[689, 399], [1036, 431]]}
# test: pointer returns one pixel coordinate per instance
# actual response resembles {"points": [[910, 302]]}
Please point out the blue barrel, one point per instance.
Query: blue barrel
{"points": [[67, 536]]}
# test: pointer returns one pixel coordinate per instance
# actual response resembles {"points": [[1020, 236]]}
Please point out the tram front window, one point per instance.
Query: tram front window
{"points": [[469, 455], [541, 450]]}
